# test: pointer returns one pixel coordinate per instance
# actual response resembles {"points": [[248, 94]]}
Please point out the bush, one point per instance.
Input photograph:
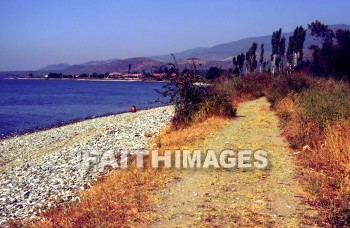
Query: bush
{"points": [[210, 103], [213, 73], [262, 80], [316, 119], [296, 128], [326, 105], [305, 115], [244, 88], [256, 85], [227, 87], [290, 83], [215, 103], [194, 102]]}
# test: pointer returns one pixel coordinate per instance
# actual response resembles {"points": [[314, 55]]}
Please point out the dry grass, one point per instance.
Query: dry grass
{"points": [[326, 174], [296, 128], [171, 139], [124, 198], [120, 198], [334, 153], [324, 158]]}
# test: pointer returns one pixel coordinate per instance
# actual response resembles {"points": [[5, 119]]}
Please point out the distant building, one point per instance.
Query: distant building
{"points": [[116, 75], [132, 76], [161, 75], [25, 76]]}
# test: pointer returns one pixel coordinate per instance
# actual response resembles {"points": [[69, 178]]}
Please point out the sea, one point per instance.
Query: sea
{"points": [[32, 105]]}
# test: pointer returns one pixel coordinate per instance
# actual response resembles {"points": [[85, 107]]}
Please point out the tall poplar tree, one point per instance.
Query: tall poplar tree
{"points": [[251, 58], [289, 53], [261, 60], [240, 62], [275, 43], [281, 54], [295, 47], [278, 51]]}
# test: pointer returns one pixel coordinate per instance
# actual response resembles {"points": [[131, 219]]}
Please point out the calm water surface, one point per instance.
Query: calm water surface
{"points": [[28, 105]]}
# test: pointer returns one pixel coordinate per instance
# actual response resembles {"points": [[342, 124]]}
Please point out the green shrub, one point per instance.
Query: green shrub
{"points": [[263, 80], [194, 102], [252, 85], [215, 103], [285, 84], [227, 87], [326, 105], [255, 85]]}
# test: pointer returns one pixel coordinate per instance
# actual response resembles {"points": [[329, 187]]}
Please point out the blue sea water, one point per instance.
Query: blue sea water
{"points": [[29, 105]]}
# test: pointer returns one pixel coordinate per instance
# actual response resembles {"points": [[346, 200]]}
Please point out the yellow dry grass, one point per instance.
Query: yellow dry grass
{"points": [[124, 198], [336, 148], [171, 139], [324, 160], [120, 198]]}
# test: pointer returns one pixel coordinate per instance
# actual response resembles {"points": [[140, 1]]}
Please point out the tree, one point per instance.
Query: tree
{"points": [[238, 63], [251, 57], [322, 63], [295, 48], [299, 39], [342, 60], [281, 54], [261, 60], [240, 60], [213, 73], [332, 58], [235, 65], [278, 51], [321, 31], [183, 93], [275, 42], [265, 64], [289, 54]]}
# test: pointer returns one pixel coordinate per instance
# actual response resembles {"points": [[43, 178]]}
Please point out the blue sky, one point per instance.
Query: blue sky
{"points": [[36, 33]]}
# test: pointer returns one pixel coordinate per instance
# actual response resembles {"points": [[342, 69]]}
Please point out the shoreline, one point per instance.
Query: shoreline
{"points": [[93, 80], [65, 123], [50, 167]]}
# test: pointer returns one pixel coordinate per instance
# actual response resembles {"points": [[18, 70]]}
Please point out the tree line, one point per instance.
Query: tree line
{"points": [[330, 58]]}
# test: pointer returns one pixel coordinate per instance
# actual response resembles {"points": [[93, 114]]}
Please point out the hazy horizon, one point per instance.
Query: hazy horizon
{"points": [[39, 33]]}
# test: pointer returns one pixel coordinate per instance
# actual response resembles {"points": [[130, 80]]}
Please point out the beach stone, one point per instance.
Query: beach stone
{"points": [[26, 194], [54, 165]]}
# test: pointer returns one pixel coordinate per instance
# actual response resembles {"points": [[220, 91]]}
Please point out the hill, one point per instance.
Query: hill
{"points": [[122, 65], [219, 55], [139, 64], [99, 62], [55, 67], [226, 51]]}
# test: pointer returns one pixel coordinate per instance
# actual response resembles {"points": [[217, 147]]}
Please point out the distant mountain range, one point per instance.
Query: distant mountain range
{"points": [[62, 66], [138, 64], [54, 67], [224, 52], [219, 55]]}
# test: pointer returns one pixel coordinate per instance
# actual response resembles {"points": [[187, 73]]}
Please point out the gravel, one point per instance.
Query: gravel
{"points": [[45, 168]]}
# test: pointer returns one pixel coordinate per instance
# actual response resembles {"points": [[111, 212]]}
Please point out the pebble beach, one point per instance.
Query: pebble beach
{"points": [[49, 167]]}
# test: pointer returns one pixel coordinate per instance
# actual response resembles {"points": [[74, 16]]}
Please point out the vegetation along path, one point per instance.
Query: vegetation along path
{"points": [[236, 197]]}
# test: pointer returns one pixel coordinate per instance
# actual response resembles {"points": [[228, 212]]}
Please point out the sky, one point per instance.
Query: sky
{"points": [[37, 33]]}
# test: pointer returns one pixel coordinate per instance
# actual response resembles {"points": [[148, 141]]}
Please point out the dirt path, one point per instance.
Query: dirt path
{"points": [[232, 198]]}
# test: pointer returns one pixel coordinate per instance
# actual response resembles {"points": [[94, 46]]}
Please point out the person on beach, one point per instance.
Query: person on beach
{"points": [[133, 109]]}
